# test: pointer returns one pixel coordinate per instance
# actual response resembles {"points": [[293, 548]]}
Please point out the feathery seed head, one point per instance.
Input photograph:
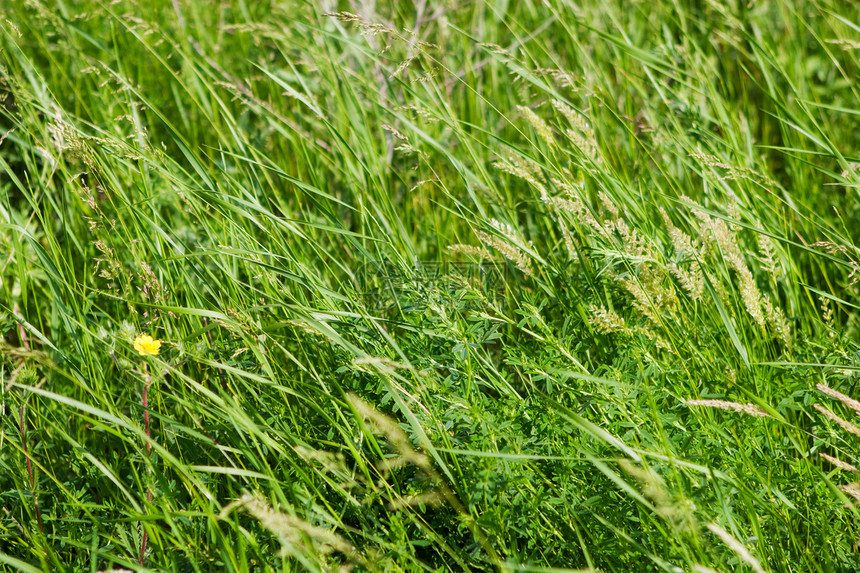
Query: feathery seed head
{"points": [[845, 466], [750, 409], [736, 546], [848, 401], [540, 126]]}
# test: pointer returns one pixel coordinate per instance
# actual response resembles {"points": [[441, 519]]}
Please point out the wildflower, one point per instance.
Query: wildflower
{"points": [[145, 344]]}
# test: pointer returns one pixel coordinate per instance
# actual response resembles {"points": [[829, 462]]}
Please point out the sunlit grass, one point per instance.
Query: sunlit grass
{"points": [[504, 286]]}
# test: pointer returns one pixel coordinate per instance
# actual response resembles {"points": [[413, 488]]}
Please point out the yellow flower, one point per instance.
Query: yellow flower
{"points": [[144, 344]]}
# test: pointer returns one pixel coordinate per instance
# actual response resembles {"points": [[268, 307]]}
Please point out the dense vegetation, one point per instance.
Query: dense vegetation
{"points": [[490, 285]]}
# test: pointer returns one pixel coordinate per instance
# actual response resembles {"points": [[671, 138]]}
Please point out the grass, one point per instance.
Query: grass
{"points": [[484, 286]]}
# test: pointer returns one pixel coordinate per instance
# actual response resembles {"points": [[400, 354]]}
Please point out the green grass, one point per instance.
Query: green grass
{"points": [[435, 282]]}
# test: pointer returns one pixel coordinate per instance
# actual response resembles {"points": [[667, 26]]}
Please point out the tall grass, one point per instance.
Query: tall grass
{"points": [[507, 286]]}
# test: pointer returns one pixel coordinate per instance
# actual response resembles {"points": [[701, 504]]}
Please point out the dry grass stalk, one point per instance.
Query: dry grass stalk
{"points": [[848, 401], [290, 529], [852, 489], [750, 409], [380, 362], [653, 486], [736, 546], [428, 498], [840, 464], [681, 514], [397, 437], [845, 424], [330, 462], [392, 432]]}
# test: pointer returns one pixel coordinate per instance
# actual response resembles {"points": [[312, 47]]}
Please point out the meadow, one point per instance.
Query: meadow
{"points": [[514, 286]]}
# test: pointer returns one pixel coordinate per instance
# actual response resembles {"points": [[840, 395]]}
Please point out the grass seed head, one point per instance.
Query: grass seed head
{"points": [[844, 424], [290, 529], [847, 400], [736, 546], [845, 466], [540, 126], [750, 409]]}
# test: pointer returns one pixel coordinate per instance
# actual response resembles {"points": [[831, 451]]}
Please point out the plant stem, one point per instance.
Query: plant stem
{"points": [[146, 381], [23, 430]]}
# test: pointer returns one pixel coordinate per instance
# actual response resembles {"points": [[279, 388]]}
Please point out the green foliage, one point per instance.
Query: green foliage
{"points": [[480, 286]]}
